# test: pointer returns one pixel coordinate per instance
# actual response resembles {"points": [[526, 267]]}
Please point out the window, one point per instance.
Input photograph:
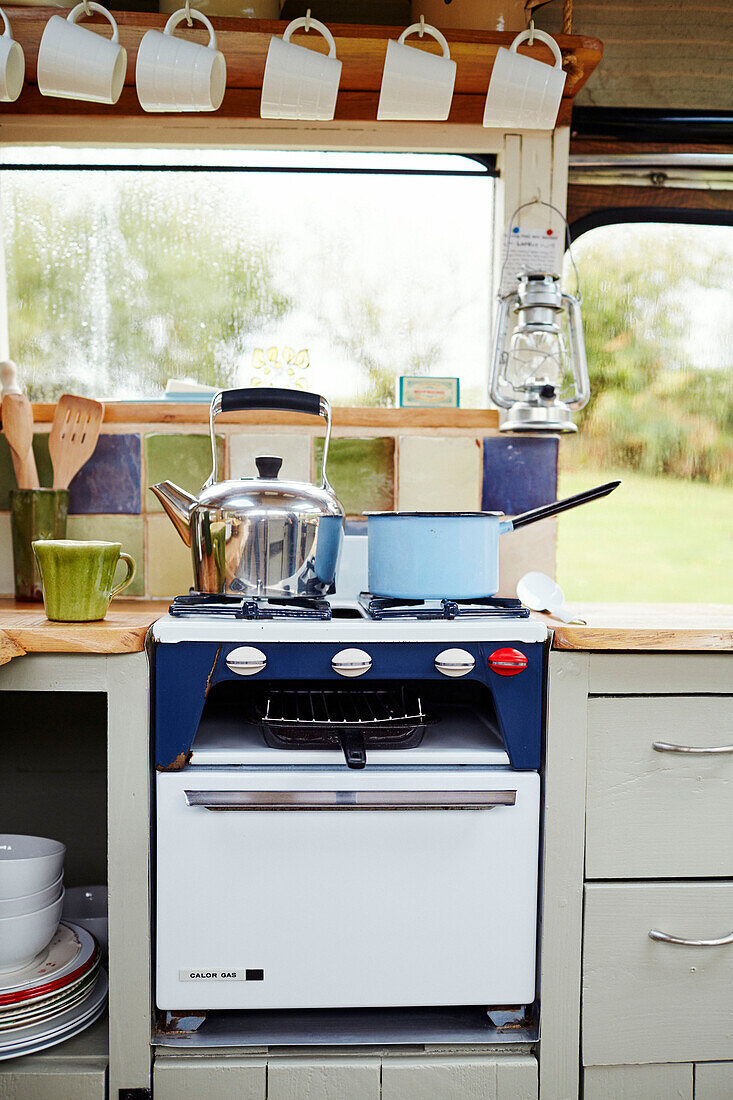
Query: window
{"points": [[658, 319], [331, 272]]}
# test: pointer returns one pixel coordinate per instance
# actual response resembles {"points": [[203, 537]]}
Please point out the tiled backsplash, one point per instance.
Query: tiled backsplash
{"points": [[109, 498]]}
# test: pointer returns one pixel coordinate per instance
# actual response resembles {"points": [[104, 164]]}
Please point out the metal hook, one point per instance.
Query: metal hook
{"points": [[189, 20], [422, 25], [530, 41], [307, 20]]}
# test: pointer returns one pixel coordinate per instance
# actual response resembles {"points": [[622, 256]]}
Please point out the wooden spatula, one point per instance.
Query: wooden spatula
{"points": [[73, 437], [18, 428]]}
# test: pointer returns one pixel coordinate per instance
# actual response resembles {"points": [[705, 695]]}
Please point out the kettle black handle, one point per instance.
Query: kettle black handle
{"points": [[256, 397], [274, 400]]}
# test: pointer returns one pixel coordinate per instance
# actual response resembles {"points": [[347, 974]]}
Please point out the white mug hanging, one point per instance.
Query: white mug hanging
{"points": [[416, 85], [77, 63], [523, 92], [175, 74], [12, 64], [298, 82]]}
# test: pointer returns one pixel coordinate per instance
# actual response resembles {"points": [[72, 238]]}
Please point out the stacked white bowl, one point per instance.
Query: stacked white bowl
{"points": [[31, 897]]}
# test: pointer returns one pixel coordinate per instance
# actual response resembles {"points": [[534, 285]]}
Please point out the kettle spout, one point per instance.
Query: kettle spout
{"points": [[178, 504]]}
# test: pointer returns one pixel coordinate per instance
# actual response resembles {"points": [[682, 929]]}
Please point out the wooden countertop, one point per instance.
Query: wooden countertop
{"points": [[24, 628], [664, 627]]}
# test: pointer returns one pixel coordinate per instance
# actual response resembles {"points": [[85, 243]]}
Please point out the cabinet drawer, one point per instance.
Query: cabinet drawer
{"points": [[649, 1001], [659, 814]]}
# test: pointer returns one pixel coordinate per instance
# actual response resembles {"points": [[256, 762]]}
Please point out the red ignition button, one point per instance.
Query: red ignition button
{"points": [[507, 662]]}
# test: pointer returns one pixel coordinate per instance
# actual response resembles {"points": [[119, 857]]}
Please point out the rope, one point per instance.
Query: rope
{"points": [[567, 17]]}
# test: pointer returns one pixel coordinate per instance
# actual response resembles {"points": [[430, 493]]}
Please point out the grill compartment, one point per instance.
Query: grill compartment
{"points": [[390, 718]]}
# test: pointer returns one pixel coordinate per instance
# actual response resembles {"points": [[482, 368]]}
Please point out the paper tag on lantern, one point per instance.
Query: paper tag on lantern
{"points": [[530, 250]]}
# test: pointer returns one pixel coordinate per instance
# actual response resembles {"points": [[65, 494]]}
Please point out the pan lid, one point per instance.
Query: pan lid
{"points": [[435, 515]]}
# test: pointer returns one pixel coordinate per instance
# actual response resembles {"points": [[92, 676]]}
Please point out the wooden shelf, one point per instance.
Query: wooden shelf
{"points": [[358, 416], [244, 43]]}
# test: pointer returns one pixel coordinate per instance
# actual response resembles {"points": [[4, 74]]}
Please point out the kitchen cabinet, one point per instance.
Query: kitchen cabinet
{"points": [[359, 1077], [656, 813], [114, 1054], [651, 1001], [653, 1027], [638, 840]]}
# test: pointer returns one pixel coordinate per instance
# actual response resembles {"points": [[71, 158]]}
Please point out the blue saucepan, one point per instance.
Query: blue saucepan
{"points": [[448, 555]]}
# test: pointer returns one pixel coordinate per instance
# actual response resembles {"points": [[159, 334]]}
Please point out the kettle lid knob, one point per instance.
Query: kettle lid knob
{"points": [[268, 465]]}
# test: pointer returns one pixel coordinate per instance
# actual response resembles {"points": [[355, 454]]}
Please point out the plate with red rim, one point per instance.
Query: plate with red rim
{"points": [[55, 1002], [47, 1013], [70, 954], [28, 1040]]}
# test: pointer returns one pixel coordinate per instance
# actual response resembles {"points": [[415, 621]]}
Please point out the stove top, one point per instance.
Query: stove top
{"points": [[206, 604], [342, 620], [197, 605], [495, 607]]}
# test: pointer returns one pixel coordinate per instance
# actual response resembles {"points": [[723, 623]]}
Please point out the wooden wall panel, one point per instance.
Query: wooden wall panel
{"points": [[657, 53]]}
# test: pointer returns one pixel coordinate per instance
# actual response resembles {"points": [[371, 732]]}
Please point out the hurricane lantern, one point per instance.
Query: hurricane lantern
{"points": [[536, 375]]}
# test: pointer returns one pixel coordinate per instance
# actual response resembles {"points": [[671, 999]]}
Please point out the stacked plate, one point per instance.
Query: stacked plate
{"points": [[59, 993], [51, 982]]}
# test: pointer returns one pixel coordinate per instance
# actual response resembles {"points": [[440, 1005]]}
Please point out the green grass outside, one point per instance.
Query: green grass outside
{"points": [[653, 540]]}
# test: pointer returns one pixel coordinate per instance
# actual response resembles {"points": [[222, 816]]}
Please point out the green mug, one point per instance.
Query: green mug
{"points": [[77, 577]]}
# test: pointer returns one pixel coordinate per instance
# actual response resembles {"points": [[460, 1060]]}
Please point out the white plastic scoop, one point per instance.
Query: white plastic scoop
{"points": [[539, 592]]}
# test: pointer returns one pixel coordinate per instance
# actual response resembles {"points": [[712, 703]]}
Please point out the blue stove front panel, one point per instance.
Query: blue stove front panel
{"points": [[185, 672]]}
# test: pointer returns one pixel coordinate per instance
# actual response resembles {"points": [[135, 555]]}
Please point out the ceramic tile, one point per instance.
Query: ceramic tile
{"points": [[7, 473], [294, 450], [125, 529], [530, 549], [168, 562], [7, 583], [439, 474], [183, 459], [520, 472], [110, 481], [361, 472]]}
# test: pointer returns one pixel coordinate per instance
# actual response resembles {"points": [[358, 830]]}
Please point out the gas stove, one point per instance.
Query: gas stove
{"points": [[315, 757]]}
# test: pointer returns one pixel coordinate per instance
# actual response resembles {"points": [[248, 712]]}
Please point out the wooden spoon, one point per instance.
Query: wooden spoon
{"points": [[73, 437], [18, 428]]}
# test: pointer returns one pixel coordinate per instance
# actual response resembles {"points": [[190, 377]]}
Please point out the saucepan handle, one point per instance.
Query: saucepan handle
{"points": [[558, 506], [273, 400]]}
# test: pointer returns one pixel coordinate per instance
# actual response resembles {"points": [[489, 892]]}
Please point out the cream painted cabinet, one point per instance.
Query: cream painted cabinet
{"points": [[648, 1000], [657, 1014], [653, 810], [352, 1076]]}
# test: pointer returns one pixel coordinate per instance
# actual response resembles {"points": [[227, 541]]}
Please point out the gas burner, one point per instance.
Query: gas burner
{"points": [[205, 604], [496, 607]]}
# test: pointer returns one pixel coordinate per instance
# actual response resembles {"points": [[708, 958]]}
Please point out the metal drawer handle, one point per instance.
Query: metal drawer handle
{"points": [[662, 746], [350, 800], [664, 938]]}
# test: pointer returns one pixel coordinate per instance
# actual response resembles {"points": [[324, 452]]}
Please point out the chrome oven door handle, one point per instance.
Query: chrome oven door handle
{"points": [[663, 746], [350, 800], [664, 938]]}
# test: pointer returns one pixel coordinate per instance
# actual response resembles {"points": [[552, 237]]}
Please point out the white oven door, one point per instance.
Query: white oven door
{"points": [[327, 888]]}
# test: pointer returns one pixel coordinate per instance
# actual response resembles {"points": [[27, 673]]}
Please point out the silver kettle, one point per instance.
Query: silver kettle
{"points": [[260, 536]]}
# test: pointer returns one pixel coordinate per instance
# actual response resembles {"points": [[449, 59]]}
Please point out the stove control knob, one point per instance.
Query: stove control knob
{"points": [[507, 662], [351, 662], [246, 661], [455, 662]]}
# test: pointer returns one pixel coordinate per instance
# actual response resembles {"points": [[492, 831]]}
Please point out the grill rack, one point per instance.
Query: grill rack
{"points": [[351, 718]]}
